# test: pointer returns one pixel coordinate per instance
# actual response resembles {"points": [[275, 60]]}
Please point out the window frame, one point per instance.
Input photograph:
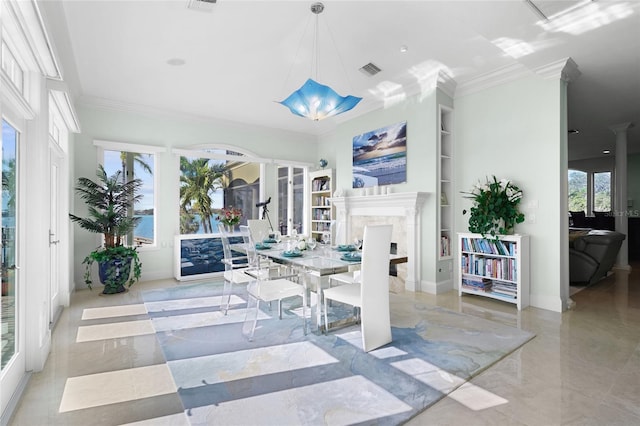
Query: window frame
{"points": [[591, 194], [103, 145], [248, 156]]}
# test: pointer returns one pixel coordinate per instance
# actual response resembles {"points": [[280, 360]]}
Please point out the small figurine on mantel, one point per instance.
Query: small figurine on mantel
{"points": [[323, 163]]}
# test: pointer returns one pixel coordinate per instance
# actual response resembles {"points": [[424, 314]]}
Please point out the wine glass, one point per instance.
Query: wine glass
{"points": [[311, 242], [278, 237]]}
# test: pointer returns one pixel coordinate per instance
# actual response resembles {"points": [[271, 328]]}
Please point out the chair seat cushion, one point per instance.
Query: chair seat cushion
{"points": [[348, 293], [276, 290], [346, 277]]}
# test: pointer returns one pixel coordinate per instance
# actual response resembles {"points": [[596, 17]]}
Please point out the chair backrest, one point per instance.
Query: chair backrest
{"points": [[226, 247], [338, 234], [250, 247], [374, 285], [259, 229]]}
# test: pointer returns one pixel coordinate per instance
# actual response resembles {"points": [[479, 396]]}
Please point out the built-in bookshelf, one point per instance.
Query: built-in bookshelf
{"points": [[494, 267], [445, 182], [322, 212]]}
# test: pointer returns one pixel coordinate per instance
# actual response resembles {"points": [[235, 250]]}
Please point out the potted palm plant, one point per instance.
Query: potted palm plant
{"points": [[110, 202]]}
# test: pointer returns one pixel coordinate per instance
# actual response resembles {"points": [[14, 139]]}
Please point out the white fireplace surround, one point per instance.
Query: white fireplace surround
{"points": [[405, 204]]}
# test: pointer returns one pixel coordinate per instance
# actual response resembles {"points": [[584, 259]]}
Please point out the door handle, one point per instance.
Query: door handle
{"points": [[51, 238]]}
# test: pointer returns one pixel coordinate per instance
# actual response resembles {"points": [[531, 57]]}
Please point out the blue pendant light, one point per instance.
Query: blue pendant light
{"points": [[314, 100]]}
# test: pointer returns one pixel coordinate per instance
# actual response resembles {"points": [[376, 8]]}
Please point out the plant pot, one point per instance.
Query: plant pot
{"points": [[114, 274]]}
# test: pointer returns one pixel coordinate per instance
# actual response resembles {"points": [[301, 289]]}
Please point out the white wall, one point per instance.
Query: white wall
{"points": [[420, 113], [170, 132], [517, 131]]}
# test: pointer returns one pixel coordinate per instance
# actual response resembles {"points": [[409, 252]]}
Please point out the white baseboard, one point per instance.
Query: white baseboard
{"points": [[436, 287]]}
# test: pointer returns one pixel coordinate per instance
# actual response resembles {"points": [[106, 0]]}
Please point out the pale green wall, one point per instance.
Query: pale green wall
{"points": [[171, 132], [517, 131], [420, 113]]}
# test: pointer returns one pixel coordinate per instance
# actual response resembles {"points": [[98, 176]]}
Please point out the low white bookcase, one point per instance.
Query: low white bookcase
{"points": [[494, 267]]}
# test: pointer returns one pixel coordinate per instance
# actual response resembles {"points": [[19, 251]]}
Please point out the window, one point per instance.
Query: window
{"points": [[134, 161], [209, 184], [590, 191], [577, 191], [12, 69], [602, 192], [290, 199]]}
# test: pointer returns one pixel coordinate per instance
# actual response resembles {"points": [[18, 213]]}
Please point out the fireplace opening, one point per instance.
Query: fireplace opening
{"points": [[393, 268]]}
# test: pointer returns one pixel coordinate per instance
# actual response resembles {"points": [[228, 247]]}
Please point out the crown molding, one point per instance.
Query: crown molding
{"points": [[446, 83], [564, 69], [496, 77], [154, 112]]}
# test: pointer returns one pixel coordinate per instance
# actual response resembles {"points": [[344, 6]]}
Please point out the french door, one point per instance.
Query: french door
{"points": [[13, 360], [55, 307]]}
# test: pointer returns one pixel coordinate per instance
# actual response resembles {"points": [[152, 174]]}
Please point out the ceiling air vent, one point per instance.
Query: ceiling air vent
{"points": [[201, 5], [370, 69]]}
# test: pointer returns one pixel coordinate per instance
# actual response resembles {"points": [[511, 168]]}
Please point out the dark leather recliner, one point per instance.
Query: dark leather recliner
{"points": [[592, 256]]}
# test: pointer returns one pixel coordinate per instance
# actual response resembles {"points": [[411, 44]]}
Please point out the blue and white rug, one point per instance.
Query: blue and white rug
{"points": [[285, 377]]}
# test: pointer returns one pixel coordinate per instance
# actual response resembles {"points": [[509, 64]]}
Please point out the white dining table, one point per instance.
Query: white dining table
{"points": [[315, 267]]}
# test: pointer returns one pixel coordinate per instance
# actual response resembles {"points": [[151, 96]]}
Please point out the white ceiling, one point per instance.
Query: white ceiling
{"points": [[242, 56]]}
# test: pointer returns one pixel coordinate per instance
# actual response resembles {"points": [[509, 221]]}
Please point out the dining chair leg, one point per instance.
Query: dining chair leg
{"points": [[304, 312], [251, 317], [325, 328], [226, 296]]}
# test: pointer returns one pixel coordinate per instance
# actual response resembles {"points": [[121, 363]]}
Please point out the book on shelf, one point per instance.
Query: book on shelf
{"points": [[445, 246], [477, 284], [490, 246], [320, 184]]}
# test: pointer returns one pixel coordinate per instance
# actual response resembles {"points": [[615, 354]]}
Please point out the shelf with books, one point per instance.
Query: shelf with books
{"points": [[322, 212], [494, 267]]}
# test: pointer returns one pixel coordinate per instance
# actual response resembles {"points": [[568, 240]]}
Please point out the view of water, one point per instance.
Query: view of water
{"points": [[145, 226]]}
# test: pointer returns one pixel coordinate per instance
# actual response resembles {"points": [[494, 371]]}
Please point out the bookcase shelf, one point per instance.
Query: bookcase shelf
{"points": [[445, 185], [495, 268], [322, 212]]}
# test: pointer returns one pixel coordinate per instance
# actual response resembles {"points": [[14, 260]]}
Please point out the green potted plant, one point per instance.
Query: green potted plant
{"points": [[495, 207], [109, 202]]}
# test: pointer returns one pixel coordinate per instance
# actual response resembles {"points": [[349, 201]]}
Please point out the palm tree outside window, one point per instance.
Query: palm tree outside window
{"points": [[134, 165]]}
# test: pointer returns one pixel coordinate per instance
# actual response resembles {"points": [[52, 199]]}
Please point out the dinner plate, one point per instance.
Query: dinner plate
{"points": [[346, 247], [291, 254], [270, 241], [351, 257], [260, 246]]}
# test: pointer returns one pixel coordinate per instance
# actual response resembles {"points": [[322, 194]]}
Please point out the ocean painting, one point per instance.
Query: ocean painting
{"points": [[380, 156]]}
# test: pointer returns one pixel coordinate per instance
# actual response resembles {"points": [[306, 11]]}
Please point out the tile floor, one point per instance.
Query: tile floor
{"points": [[582, 368]]}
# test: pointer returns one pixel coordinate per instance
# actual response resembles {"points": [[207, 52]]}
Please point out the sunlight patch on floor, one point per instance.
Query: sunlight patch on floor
{"points": [[113, 311], [95, 390], [476, 398], [89, 333]]}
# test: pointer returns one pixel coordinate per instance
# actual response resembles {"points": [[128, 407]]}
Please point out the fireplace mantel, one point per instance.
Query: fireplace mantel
{"points": [[406, 204]]}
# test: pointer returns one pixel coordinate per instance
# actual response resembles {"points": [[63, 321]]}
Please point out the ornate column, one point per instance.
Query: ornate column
{"points": [[620, 206]]}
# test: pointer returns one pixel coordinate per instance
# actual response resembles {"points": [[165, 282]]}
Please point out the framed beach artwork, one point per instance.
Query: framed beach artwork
{"points": [[380, 156]]}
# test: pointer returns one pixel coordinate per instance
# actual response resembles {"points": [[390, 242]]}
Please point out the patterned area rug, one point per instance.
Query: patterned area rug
{"points": [[285, 377]]}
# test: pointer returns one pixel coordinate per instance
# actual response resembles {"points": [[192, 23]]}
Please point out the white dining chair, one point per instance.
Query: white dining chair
{"points": [[267, 288], [371, 295], [259, 228], [234, 268]]}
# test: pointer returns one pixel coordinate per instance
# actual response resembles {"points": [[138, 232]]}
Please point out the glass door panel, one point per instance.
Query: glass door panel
{"points": [[8, 248]]}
